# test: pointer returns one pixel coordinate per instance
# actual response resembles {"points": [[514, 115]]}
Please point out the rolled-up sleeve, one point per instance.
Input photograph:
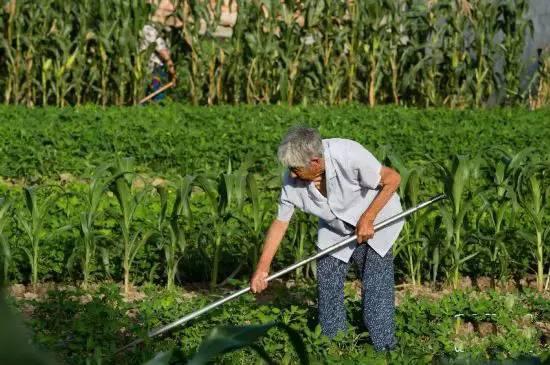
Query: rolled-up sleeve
{"points": [[364, 164], [152, 36], [286, 208]]}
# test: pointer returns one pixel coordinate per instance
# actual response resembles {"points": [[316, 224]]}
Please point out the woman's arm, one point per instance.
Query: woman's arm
{"points": [[389, 180], [167, 59], [273, 238]]}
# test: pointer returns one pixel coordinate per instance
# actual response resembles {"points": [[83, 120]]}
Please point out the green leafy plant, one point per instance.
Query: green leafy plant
{"points": [[133, 238], [85, 252], [226, 195], [170, 226], [229, 338], [33, 224], [253, 217], [412, 244], [534, 197], [5, 207], [402, 52], [499, 207], [456, 175]]}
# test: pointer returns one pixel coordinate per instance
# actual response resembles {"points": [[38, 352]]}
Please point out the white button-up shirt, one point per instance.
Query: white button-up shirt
{"points": [[352, 182]]}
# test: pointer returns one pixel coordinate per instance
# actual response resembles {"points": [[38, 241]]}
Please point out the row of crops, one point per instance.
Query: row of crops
{"points": [[458, 327], [407, 52], [128, 222], [495, 223]]}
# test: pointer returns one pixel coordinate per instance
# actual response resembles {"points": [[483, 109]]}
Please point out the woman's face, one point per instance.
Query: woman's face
{"points": [[313, 171]]}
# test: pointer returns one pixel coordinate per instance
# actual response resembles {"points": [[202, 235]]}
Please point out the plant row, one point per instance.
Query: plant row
{"points": [[404, 52], [456, 327], [121, 225], [41, 144]]}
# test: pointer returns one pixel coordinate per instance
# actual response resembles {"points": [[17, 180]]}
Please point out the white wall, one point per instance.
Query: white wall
{"points": [[539, 11]]}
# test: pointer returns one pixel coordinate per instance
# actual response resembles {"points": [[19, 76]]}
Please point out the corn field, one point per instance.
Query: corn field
{"points": [[403, 52], [210, 226]]}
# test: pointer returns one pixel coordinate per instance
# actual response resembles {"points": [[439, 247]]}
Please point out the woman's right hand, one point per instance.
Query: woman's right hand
{"points": [[258, 282]]}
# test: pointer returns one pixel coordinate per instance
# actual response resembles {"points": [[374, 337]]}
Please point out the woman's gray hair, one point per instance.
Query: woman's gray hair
{"points": [[299, 146]]}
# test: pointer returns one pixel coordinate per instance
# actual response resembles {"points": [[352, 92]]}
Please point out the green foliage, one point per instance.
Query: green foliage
{"points": [[176, 139], [449, 327], [226, 339], [33, 224], [133, 237], [58, 53], [534, 197], [4, 243], [15, 340], [401, 52], [456, 175], [209, 217], [170, 227], [85, 252]]}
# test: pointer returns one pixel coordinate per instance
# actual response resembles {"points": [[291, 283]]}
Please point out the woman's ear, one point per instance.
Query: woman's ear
{"points": [[316, 162]]}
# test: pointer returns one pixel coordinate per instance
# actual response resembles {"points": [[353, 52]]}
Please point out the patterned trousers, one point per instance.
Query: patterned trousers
{"points": [[159, 77], [377, 276]]}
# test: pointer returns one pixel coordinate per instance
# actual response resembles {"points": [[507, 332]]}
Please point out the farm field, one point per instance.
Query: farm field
{"points": [[114, 221]]}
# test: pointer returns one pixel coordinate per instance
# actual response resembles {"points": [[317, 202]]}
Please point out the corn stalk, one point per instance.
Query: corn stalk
{"points": [[170, 227], [5, 207], [534, 196], [226, 196], [89, 232], [133, 239], [33, 224], [456, 176]]}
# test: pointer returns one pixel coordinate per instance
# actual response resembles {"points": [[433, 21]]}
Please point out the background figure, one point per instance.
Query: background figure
{"points": [[154, 34]]}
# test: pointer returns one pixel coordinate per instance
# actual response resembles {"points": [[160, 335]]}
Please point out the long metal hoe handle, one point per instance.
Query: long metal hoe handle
{"points": [[378, 226]]}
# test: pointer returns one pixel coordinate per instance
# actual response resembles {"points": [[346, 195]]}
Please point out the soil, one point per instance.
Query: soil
{"points": [[481, 284], [478, 287]]}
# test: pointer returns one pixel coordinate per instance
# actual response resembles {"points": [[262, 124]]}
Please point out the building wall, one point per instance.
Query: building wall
{"points": [[540, 13]]}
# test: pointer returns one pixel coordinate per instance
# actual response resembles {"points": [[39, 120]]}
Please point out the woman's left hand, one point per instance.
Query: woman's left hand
{"points": [[364, 229]]}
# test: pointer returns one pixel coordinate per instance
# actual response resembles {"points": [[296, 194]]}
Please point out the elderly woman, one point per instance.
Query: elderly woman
{"points": [[344, 185], [155, 35]]}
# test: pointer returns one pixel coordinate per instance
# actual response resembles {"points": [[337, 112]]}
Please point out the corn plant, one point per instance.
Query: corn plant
{"points": [[542, 93], [34, 226], [264, 51], [411, 52], [226, 195], [290, 49], [85, 252], [253, 217], [328, 35], [133, 238], [481, 77], [499, 207], [170, 226], [300, 242], [515, 28], [56, 48], [456, 176], [377, 27], [534, 196], [5, 207], [233, 85], [399, 46], [412, 245], [435, 52]]}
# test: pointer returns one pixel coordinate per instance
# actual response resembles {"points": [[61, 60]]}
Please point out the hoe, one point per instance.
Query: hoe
{"points": [[161, 330]]}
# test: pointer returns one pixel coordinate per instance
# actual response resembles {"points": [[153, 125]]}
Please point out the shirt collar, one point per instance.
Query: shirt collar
{"points": [[329, 164]]}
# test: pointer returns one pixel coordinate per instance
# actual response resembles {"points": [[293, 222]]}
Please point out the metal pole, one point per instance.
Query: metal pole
{"points": [[187, 318], [155, 93]]}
